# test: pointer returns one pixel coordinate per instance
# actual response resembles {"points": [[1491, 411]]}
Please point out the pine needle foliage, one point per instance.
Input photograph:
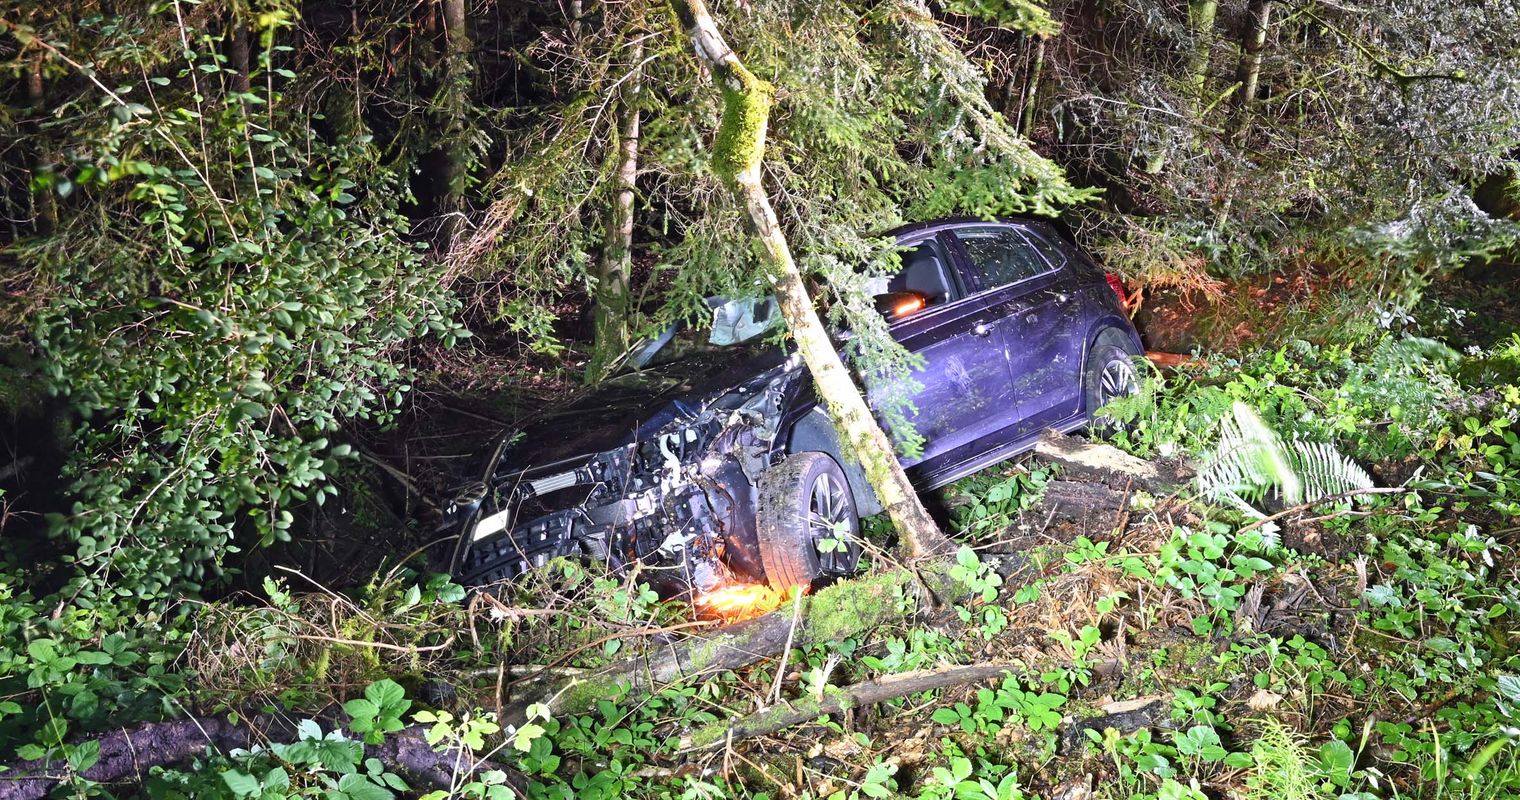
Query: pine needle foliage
{"points": [[879, 119]]}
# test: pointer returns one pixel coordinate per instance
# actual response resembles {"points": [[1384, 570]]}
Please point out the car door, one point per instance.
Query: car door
{"points": [[1024, 276], [963, 383]]}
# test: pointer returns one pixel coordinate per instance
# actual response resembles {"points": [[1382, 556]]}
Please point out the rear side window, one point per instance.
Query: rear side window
{"points": [[1054, 254], [1003, 255]]}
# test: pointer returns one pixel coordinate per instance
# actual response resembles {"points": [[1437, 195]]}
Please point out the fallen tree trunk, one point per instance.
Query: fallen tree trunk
{"points": [[126, 755], [840, 699], [845, 609], [1106, 464]]}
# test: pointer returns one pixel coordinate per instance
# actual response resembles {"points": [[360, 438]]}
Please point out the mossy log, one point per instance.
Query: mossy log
{"points": [[126, 755], [840, 699], [845, 609]]}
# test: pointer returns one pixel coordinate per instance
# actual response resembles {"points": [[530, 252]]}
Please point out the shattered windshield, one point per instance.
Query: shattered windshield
{"points": [[733, 322]]}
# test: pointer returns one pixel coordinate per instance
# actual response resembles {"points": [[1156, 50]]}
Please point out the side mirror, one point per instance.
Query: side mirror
{"points": [[900, 305]]}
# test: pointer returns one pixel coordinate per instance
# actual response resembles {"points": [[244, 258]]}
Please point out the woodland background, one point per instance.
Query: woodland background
{"points": [[249, 247]]}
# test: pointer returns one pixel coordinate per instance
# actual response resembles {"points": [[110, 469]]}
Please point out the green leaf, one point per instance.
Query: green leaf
{"points": [[387, 694], [523, 739], [1337, 760], [241, 783], [945, 716], [359, 787]]}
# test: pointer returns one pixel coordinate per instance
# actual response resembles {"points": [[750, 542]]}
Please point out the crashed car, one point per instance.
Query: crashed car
{"points": [[710, 462]]}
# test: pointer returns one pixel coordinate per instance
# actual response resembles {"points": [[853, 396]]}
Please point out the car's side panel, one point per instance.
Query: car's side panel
{"points": [[1040, 322], [963, 391]]}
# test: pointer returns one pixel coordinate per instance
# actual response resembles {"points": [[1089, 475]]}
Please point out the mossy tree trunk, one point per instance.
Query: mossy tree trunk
{"points": [[1248, 75], [456, 148], [610, 315], [1201, 16], [738, 153], [1032, 89]]}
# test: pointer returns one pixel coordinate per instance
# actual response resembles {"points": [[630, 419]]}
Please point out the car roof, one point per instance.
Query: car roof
{"points": [[945, 223]]}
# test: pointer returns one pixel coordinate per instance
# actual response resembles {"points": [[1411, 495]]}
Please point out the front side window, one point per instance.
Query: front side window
{"points": [[925, 271], [1002, 255]]}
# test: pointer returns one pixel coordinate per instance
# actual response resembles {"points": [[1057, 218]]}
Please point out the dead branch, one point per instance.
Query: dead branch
{"points": [[126, 755], [838, 700]]}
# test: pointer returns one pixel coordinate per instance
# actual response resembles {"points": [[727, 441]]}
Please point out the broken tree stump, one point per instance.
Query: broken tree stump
{"points": [[1108, 465]]}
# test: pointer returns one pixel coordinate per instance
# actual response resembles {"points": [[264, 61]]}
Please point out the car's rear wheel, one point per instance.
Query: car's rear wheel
{"points": [[806, 523], [1110, 370]]}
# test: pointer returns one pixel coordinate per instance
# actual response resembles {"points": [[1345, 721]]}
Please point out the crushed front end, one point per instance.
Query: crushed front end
{"points": [[677, 498]]}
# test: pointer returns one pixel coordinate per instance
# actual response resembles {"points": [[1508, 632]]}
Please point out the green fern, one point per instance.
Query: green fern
{"points": [[1285, 769], [1251, 461]]}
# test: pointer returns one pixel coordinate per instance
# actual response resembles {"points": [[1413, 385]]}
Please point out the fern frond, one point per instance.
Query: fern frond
{"points": [[1251, 460]]}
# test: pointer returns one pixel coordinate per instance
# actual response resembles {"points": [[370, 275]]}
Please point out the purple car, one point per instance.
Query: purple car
{"points": [[709, 462]]}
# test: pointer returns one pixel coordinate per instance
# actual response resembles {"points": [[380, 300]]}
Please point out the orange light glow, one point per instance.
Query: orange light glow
{"points": [[908, 306], [737, 602]]}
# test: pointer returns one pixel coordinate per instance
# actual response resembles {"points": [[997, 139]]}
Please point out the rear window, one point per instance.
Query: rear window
{"points": [[1003, 254]]}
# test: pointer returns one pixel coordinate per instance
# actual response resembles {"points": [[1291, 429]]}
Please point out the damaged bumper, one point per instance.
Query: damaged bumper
{"points": [[677, 500]]}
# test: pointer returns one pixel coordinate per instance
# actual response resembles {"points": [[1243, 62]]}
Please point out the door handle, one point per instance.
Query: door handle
{"points": [[981, 329]]}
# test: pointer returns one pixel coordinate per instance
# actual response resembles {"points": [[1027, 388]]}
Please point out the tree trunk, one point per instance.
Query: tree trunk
{"points": [[1248, 75], [738, 153], [1032, 90], [612, 275], [456, 143], [1201, 15], [45, 206], [237, 55]]}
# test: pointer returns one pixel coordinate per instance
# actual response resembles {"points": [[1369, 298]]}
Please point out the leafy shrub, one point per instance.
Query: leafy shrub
{"points": [[237, 290]]}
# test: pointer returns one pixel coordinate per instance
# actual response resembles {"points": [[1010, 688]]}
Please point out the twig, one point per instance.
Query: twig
{"points": [[408, 648], [1301, 507], [786, 649]]}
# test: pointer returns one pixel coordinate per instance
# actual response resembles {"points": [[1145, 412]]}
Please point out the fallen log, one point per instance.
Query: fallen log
{"points": [[1108, 465], [126, 755], [845, 609], [839, 699]]}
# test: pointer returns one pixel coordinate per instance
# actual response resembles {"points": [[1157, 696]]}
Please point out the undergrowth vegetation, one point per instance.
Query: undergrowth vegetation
{"points": [[1175, 651]]}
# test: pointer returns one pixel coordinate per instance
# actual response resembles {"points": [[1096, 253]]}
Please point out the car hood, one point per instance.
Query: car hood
{"points": [[633, 405]]}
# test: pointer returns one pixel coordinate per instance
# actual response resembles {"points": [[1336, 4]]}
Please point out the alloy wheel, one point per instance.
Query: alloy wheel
{"points": [[830, 524], [1118, 379]]}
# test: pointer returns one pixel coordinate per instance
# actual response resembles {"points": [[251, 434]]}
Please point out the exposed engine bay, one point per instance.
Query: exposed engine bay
{"points": [[677, 499]]}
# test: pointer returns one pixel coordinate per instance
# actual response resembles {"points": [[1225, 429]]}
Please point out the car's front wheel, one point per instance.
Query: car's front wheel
{"points": [[806, 523]]}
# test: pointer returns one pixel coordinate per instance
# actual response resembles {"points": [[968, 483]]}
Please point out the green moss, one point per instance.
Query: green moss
{"points": [[583, 693], [851, 607], [740, 143]]}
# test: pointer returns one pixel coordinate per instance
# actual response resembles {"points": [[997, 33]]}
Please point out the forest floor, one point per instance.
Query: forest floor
{"points": [[1152, 643]]}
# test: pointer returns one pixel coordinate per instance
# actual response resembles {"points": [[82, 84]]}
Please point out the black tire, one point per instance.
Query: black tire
{"points": [[804, 500], [1109, 371]]}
